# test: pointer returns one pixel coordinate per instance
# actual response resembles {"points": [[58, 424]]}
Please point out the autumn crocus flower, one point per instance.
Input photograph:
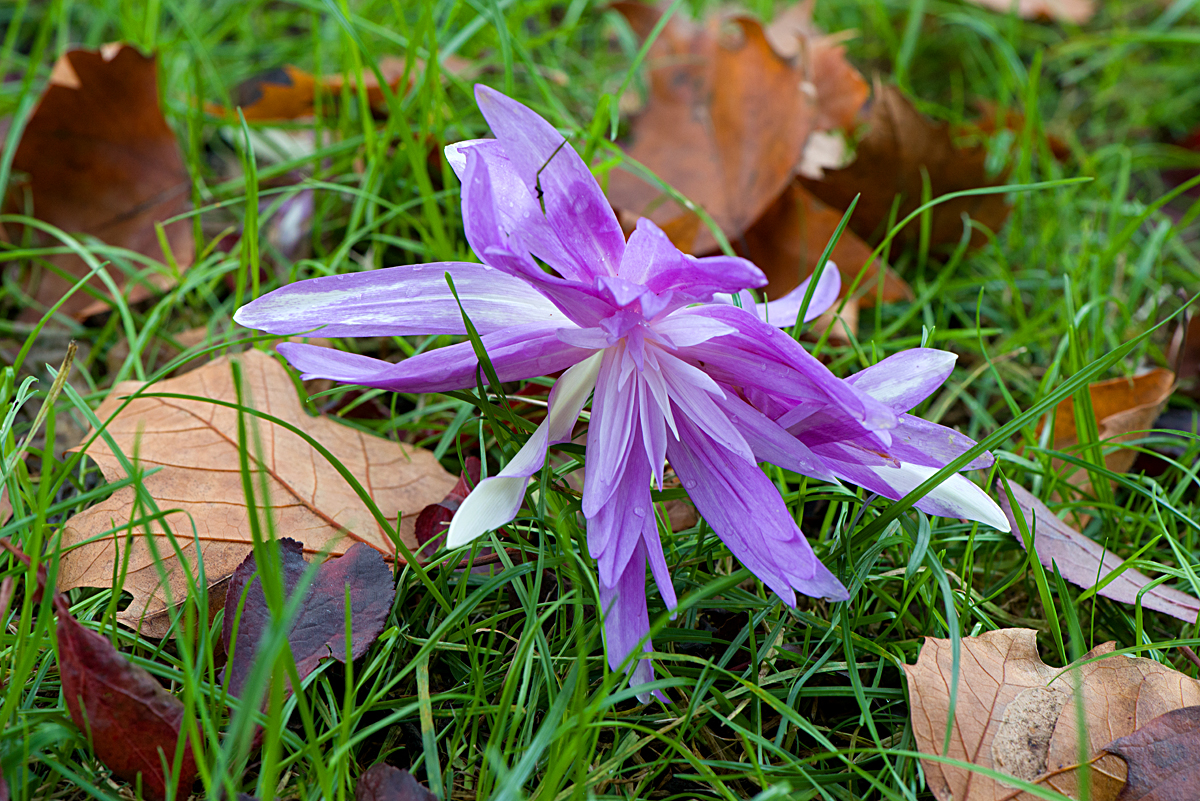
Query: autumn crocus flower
{"points": [[669, 373]]}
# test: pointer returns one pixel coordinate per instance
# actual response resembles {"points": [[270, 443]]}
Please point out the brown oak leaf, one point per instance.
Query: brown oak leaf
{"points": [[101, 160], [196, 445], [1017, 715]]}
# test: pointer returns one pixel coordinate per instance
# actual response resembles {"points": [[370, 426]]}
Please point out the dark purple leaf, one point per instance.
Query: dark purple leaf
{"points": [[319, 629], [432, 522], [1163, 758], [386, 783]]}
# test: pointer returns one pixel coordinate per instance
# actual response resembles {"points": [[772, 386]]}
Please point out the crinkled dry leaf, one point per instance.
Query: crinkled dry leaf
{"points": [[725, 126], [383, 782], [901, 147], [196, 445], [788, 239], [1015, 714], [102, 161], [319, 630], [1073, 11], [1083, 562], [1163, 758]]}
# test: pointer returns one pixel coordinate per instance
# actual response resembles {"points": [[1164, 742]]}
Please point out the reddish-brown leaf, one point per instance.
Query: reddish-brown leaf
{"points": [[434, 518], [901, 147], [386, 783], [131, 722], [1076, 12], [725, 125], [1163, 758], [1083, 562], [788, 239], [102, 161], [319, 630]]}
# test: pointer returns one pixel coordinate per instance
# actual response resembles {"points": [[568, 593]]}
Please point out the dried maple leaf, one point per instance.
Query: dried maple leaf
{"points": [[1163, 758], [1076, 12], [196, 445], [900, 147], [725, 126], [1015, 714], [319, 630], [1083, 562], [102, 161], [386, 783], [131, 722]]}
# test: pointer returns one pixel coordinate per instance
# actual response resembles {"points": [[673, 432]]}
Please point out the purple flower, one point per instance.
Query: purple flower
{"points": [[708, 386]]}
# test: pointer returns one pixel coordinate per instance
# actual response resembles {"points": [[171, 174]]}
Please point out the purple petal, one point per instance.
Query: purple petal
{"points": [[610, 434], [761, 358], [654, 431], [658, 563], [700, 279], [616, 529], [745, 510], [648, 253], [685, 330], [904, 379], [626, 620], [517, 353], [692, 391], [771, 443], [399, 301], [456, 154], [782, 313], [577, 215], [918, 441]]}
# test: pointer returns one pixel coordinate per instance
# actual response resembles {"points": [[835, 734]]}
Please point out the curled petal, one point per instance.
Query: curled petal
{"points": [[956, 497], [517, 353], [496, 500], [577, 233], [400, 301], [745, 510], [782, 313], [904, 379], [456, 154]]}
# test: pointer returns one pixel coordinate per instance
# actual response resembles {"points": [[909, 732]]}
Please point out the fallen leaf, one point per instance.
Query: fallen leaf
{"points": [[195, 443], [1076, 12], [788, 239], [1163, 758], [1083, 562], [1015, 714], [319, 630], [725, 126], [102, 161], [130, 720], [900, 147], [1123, 407], [1185, 355], [383, 782], [435, 518]]}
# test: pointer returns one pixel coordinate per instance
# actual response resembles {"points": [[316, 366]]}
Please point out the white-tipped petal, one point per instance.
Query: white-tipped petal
{"points": [[496, 500], [955, 497]]}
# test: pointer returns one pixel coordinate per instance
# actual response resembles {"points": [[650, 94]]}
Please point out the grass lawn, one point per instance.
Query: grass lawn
{"points": [[496, 686]]}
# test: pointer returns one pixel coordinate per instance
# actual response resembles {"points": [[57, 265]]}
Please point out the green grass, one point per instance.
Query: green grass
{"points": [[496, 685]]}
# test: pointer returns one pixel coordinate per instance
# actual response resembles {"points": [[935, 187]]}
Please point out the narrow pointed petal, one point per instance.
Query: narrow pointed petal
{"points": [[401, 301], [782, 313], [517, 353], [692, 392], [658, 563], [610, 434], [745, 510], [578, 220], [919, 441], [654, 432], [627, 621], [904, 379], [496, 500]]}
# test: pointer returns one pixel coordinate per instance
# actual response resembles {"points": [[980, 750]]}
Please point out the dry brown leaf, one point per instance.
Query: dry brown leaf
{"points": [[1083, 561], [1015, 714], [899, 148], [102, 160], [196, 445], [1122, 407], [1076, 12], [1185, 355], [789, 238], [725, 126]]}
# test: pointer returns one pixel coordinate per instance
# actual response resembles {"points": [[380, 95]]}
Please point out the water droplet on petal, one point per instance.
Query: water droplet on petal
{"points": [[689, 484], [639, 511]]}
